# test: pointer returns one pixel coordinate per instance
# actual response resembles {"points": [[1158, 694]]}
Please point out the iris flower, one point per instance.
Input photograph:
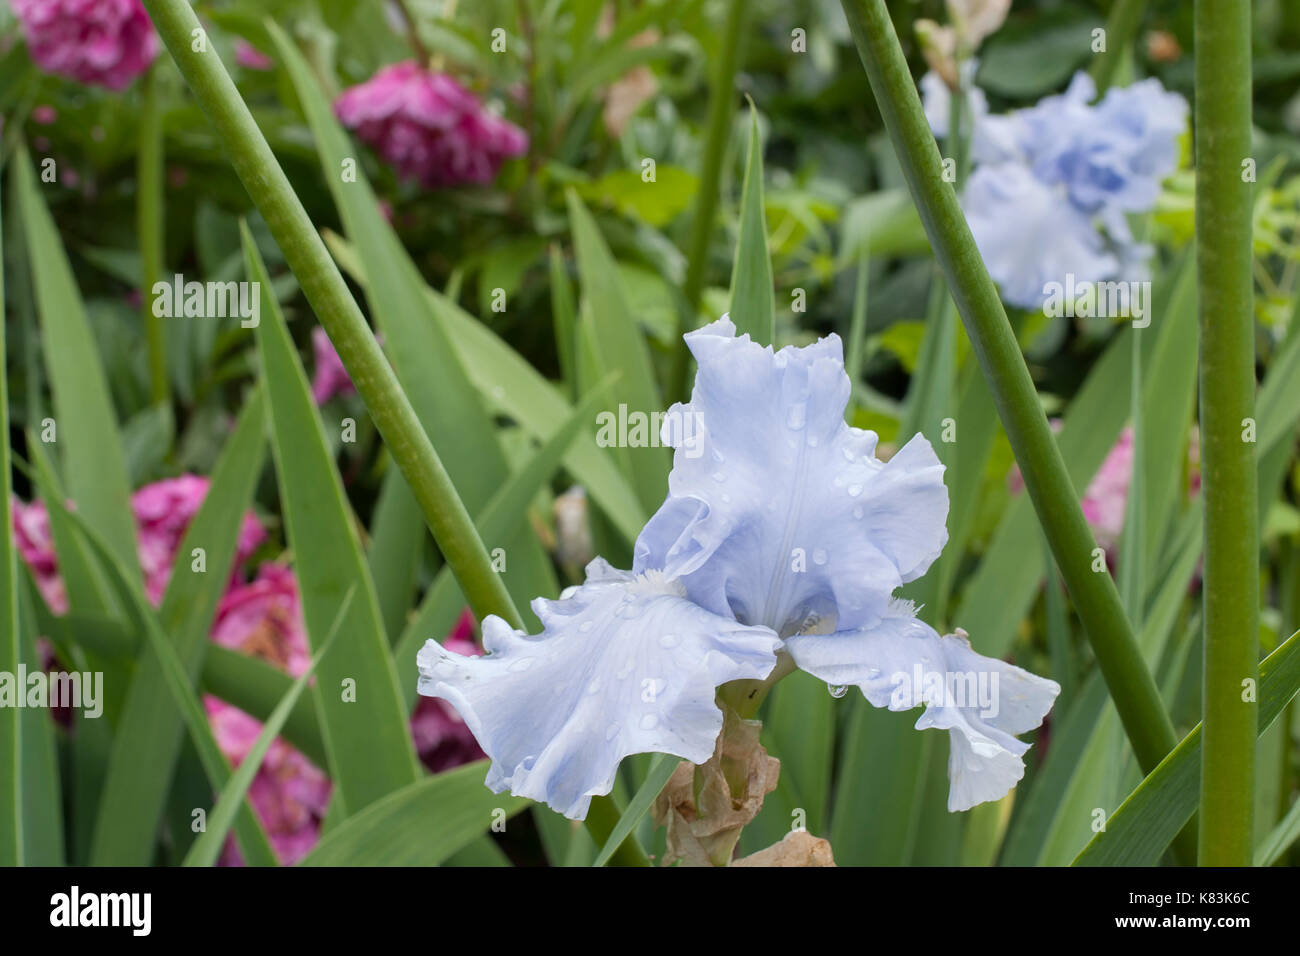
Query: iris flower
{"points": [[1053, 185], [780, 544]]}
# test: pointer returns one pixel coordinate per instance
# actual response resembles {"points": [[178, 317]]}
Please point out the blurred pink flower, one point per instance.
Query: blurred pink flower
{"points": [[45, 115], [1103, 503], [442, 738], [100, 42], [429, 127], [250, 57], [162, 510], [289, 793], [330, 378]]}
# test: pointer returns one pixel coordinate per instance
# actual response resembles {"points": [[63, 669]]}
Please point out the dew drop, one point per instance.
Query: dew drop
{"points": [[812, 441], [857, 511], [586, 626], [625, 670], [649, 722], [726, 497], [819, 556], [837, 690], [594, 686], [611, 731], [873, 673], [855, 490], [521, 665], [847, 452], [797, 416], [719, 476], [717, 456], [528, 762], [669, 640]]}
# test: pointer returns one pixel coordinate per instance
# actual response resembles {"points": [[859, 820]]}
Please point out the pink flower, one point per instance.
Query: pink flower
{"points": [[162, 510], [289, 793], [1104, 501], [45, 115], [100, 42], [429, 127], [441, 737], [330, 377], [250, 57]]}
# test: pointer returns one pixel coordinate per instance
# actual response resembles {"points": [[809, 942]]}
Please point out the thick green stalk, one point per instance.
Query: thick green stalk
{"points": [[722, 95], [1053, 496], [1226, 290], [1121, 30], [334, 306], [149, 225]]}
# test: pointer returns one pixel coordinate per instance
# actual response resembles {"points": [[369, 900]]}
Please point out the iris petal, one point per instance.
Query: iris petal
{"points": [[983, 702], [777, 511], [624, 665]]}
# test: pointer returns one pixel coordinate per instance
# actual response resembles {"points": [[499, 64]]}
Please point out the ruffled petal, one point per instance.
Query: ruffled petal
{"points": [[778, 512], [982, 702], [624, 665]]}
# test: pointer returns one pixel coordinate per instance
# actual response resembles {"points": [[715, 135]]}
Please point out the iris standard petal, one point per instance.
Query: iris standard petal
{"points": [[624, 665], [778, 512], [983, 702]]}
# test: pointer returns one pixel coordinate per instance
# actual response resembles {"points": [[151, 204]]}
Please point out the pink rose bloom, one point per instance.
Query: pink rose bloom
{"points": [[289, 794], [330, 377], [250, 57], [441, 737], [429, 127], [98, 42]]}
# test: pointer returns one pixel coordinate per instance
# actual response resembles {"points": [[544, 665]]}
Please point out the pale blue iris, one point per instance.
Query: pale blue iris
{"points": [[1053, 184], [782, 534]]}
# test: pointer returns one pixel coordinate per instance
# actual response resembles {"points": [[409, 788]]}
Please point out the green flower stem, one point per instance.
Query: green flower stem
{"points": [[1121, 30], [335, 308], [1228, 474], [1054, 498], [149, 225], [722, 96], [602, 817]]}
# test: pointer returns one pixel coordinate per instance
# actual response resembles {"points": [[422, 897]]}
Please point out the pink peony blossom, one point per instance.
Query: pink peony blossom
{"points": [[100, 42], [429, 127], [330, 377], [162, 510], [289, 793], [441, 737]]}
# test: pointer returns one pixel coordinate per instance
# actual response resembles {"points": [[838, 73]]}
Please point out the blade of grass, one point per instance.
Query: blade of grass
{"points": [[150, 729], [422, 824], [1150, 817], [661, 768], [362, 717], [94, 465], [149, 226], [11, 736], [252, 838], [753, 309]]}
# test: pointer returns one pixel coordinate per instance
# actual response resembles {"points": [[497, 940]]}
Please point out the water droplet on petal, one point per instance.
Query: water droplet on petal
{"points": [[857, 511], [594, 686], [625, 670], [586, 626], [819, 556], [812, 441], [649, 722], [719, 476], [611, 731], [837, 690], [847, 452], [521, 665], [527, 762], [855, 490], [873, 673], [797, 416], [669, 640]]}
